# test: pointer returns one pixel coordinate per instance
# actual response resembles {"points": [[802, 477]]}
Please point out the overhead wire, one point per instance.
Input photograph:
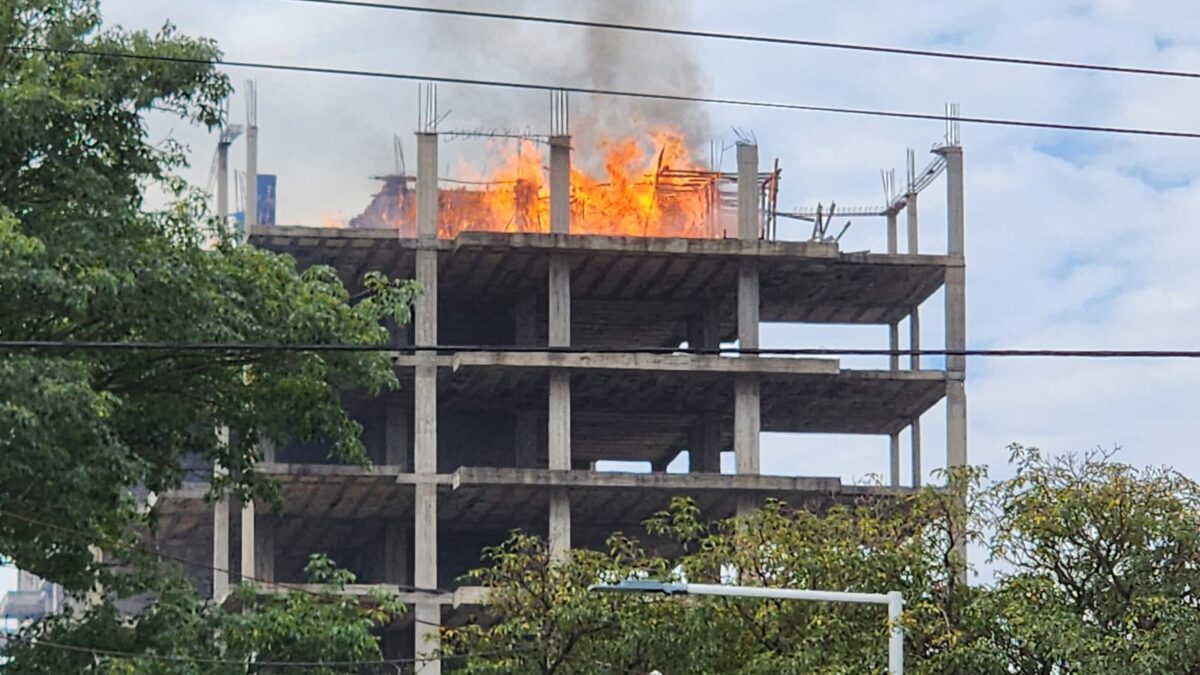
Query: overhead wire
{"points": [[611, 92], [262, 347], [762, 39]]}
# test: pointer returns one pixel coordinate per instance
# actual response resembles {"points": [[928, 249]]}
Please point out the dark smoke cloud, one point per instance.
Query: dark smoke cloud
{"points": [[599, 58]]}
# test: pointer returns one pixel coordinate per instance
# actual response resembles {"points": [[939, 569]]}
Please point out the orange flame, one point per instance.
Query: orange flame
{"points": [[652, 189]]}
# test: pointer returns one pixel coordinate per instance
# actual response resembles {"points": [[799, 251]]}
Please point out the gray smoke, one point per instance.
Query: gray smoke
{"points": [[593, 58]]}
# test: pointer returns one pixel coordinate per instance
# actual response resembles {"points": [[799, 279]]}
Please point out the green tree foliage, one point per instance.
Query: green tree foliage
{"points": [[1097, 573], [180, 634], [83, 259]]}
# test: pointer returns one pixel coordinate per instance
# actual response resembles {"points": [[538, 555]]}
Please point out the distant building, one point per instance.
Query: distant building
{"points": [[34, 599]]}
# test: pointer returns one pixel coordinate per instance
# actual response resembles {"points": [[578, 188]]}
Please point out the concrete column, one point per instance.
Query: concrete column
{"points": [[956, 329], [251, 213], [894, 439], [220, 549], [220, 561], [559, 414], [560, 184], [956, 311], [559, 331], [559, 430], [914, 336], [747, 423], [747, 192], [249, 568], [892, 233], [223, 182], [427, 615]]}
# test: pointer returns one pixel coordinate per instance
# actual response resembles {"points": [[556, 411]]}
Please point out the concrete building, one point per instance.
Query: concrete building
{"points": [[548, 380], [34, 598]]}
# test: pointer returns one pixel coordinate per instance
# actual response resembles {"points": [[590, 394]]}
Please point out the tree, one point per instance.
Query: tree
{"points": [[1099, 569], [82, 259], [550, 623], [1097, 573], [180, 634]]}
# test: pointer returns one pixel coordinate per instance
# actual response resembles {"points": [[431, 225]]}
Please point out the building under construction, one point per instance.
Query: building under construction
{"points": [[538, 350]]}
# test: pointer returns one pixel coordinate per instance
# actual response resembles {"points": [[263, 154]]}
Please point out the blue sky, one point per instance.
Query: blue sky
{"points": [[1073, 240]]}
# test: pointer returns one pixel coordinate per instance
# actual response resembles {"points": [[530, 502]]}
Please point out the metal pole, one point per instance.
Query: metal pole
{"points": [[786, 594], [895, 603], [893, 599]]}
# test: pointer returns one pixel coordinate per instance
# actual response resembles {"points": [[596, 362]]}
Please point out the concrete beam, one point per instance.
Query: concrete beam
{"points": [[466, 477], [683, 362]]}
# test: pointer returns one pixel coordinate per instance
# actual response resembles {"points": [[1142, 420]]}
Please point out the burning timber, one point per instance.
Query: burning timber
{"points": [[631, 199]]}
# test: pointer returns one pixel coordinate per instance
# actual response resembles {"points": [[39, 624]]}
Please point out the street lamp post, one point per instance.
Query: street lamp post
{"points": [[894, 601]]}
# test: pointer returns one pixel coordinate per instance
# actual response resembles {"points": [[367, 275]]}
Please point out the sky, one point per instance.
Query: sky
{"points": [[1074, 240]]}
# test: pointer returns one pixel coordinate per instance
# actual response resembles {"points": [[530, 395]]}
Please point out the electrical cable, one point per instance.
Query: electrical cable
{"points": [[449, 350], [530, 86], [763, 39]]}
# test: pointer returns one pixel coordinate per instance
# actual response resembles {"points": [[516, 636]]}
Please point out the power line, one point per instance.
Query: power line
{"points": [[445, 350], [621, 93], [765, 39]]}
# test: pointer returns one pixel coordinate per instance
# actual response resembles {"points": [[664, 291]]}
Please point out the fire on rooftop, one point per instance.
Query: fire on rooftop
{"points": [[650, 188]]}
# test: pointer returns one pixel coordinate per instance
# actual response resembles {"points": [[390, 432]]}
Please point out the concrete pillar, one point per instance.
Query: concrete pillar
{"points": [[746, 414], [223, 182], [559, 430], [956, 311], [894, 439], [914, 336], [220, 561], [249, 568], [251, 212], [956, 330], [220, 550], [427, 615], [560, 184]]}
